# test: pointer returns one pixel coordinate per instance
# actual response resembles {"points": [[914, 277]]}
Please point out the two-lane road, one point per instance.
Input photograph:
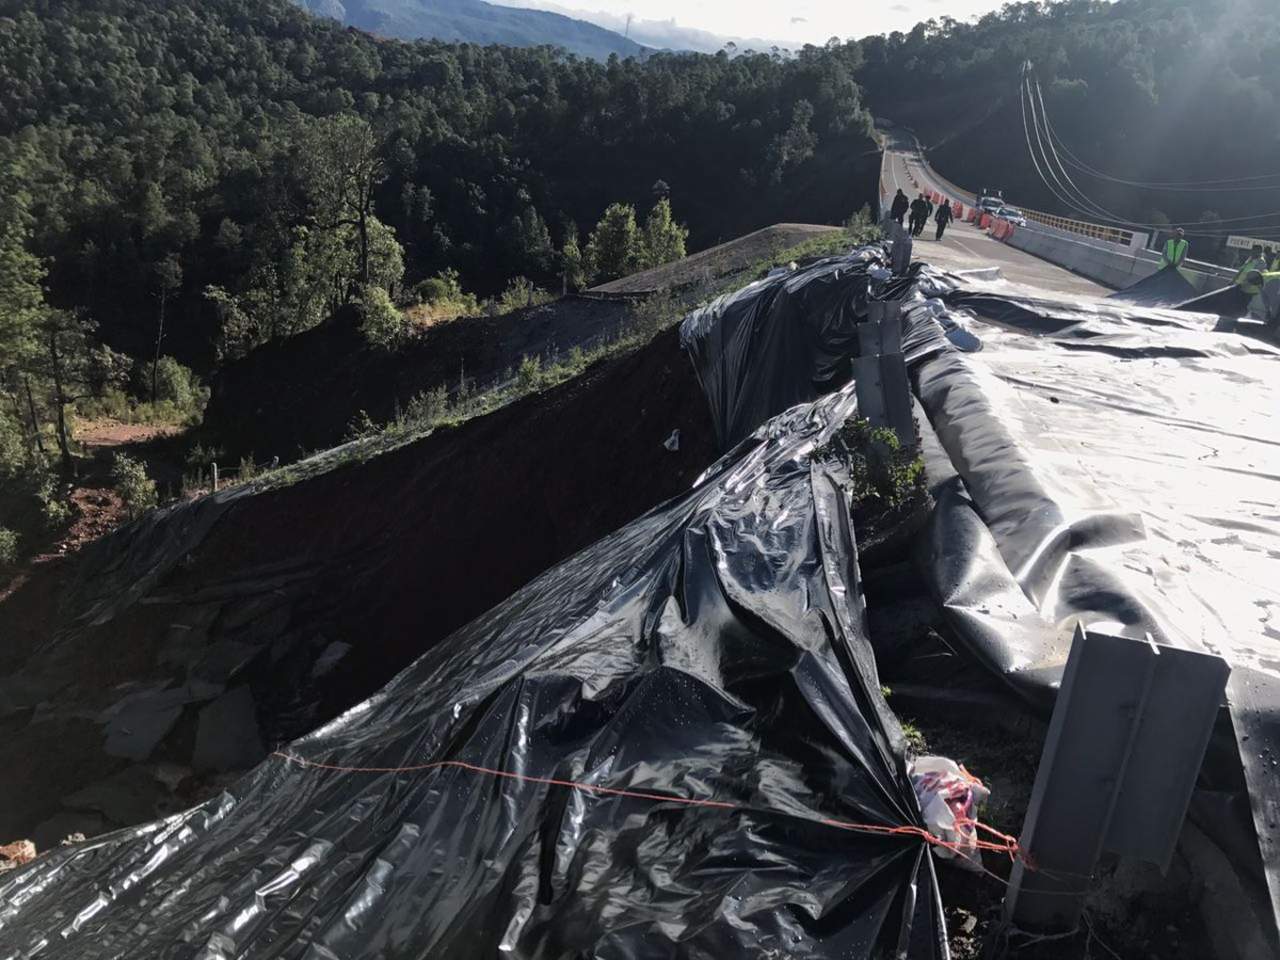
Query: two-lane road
{"points": [[965, 247]]}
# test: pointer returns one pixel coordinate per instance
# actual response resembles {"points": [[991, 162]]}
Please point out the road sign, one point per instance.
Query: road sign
{"points": [[1248, 243]]}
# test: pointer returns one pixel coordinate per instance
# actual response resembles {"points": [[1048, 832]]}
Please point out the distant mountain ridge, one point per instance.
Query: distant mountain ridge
{"points": [[474, 21]]}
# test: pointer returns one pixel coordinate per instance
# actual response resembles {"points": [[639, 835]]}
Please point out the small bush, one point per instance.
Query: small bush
{"points": [[175, 383], [361, 425], [248, 469], [861, 227], [134, 486], [529, 373], [443, 287], [381, 323], [181, 397], [8, 547], [879, 467], [521, 293], [50, 492], [428, 407]]}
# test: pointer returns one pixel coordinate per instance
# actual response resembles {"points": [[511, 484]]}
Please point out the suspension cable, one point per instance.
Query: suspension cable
{"points": [[1080, 202]]}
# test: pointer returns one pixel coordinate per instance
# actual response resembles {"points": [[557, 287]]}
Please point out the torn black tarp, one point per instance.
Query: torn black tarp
{"points": [[779, 341], [1164, 288], [671, 745], [1116, 466]]}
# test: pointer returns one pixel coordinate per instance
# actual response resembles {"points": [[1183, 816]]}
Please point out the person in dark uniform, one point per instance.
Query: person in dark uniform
{"points": [[943, 217], [919, 215], [900, 206]]}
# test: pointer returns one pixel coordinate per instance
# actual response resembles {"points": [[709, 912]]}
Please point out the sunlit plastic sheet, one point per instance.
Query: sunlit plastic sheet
{"points": [[712, 650], [1116, 466], [783, 340]]}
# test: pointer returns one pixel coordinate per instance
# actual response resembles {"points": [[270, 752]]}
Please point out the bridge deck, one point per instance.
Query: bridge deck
{"points": [[965, 247]]}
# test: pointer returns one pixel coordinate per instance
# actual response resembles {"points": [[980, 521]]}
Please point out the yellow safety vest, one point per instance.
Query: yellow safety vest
{"points": [[1242, 278], [1175, 251]]}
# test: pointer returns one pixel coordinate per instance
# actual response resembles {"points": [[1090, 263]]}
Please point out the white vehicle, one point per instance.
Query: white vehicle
{"points": [[990, 205], [1013, 215]]}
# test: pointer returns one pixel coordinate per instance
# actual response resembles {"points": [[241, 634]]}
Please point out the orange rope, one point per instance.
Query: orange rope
{"points": [[1007, 844]]}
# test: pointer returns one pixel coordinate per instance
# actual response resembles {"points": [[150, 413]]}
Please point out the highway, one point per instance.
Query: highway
{"points": [[965, 247]]}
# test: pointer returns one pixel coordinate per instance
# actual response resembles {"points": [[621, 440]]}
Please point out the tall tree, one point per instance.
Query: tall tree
{"points": [[344, 165], [74, 366], [168, 282]]}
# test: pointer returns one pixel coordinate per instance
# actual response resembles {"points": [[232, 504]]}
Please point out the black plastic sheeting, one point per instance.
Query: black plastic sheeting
{"points": [[1227, 302], [784, 340], [1119, 467], [712, 651], [1164, 288]]}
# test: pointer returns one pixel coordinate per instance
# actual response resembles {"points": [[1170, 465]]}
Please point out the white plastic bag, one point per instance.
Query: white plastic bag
{"points": [[949, 797]]}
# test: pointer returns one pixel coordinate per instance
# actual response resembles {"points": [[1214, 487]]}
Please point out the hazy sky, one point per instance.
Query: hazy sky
{"points": [[792, 21]]}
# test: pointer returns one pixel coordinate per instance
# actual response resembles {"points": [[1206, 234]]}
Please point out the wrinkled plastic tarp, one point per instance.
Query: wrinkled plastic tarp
{"points": [[1164, 288], [712, 650], [1119, 467], [783, 340], [1226, 302]]}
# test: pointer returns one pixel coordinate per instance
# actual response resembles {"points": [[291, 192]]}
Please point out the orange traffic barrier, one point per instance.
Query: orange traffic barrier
{"points": [[972, 216], [957, 209]]}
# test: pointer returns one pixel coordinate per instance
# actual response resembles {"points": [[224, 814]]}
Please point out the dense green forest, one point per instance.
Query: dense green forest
{"points": [[1147, 91], [178, 152], [181, 182]]}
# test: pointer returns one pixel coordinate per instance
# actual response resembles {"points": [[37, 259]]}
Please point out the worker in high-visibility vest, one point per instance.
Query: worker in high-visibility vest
{"points": [[1248, 279], [1271, 298], [1175, 250]]}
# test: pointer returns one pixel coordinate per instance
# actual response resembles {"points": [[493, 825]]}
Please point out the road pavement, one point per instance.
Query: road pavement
{"points": [[965, 247]]}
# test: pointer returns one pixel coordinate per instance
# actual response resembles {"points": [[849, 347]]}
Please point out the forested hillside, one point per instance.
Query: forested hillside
{"points": [[474, 21], [185, 152], [1140, 90]]}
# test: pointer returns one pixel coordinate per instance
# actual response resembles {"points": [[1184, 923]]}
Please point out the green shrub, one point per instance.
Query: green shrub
{"points": [[880, 468], [248, 469], [8, 547], [428, 407], [444, 286], [529, 373], [50, 492], [381, 323], [521, 293], [134, 486], [181, 396], [175, 383], [361, 425]]}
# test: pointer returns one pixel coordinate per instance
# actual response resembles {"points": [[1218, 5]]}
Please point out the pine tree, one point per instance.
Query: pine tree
{"points": [[664, 239], [615, 248], [572, 261]]}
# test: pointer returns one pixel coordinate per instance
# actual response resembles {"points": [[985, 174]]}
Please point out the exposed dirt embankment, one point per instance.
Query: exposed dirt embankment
{"points": [[177, 649], [300, 394]]}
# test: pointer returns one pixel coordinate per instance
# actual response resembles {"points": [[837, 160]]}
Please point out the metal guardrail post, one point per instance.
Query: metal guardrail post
{"points": [[1128, 735], [880, 372]]}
